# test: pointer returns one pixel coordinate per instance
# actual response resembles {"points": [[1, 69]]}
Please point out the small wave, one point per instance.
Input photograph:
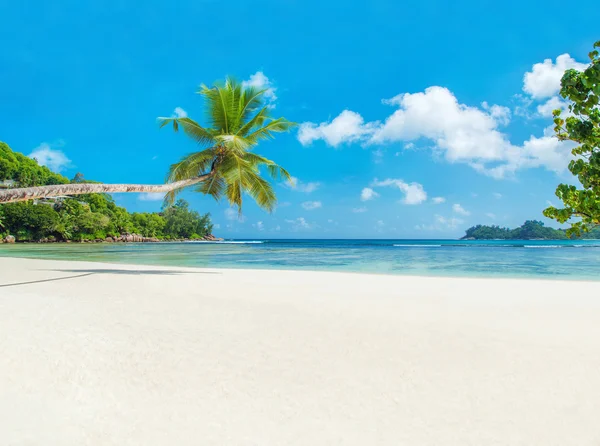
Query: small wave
{"points": [[419, 246], [227, 242], [543, 246]]}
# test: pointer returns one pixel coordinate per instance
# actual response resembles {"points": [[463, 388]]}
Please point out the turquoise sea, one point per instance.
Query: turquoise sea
{"points": [[574, 260]]}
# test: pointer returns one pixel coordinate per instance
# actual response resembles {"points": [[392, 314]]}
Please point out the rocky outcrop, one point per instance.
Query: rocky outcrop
{"points": [[9, 239], [135, 238], [212, 238]]}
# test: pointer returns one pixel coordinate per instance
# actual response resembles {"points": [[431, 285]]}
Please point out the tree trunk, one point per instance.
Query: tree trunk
{"points": [[31, 193]]}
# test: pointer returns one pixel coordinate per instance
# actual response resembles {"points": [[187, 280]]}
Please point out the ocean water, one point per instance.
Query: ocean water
{"points": [[575, 260]]}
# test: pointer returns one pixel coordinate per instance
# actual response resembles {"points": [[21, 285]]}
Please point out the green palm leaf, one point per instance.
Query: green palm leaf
{"points": [[238, 120]]}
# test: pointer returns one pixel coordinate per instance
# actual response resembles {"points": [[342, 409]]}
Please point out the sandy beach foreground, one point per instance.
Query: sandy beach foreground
{"points": [[99, 354]]}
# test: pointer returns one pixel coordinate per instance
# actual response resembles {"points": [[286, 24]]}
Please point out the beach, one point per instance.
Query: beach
{"points": [[112, 354]]}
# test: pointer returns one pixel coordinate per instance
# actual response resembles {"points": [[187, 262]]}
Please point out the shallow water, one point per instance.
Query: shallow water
{"points": [[517, 259]]}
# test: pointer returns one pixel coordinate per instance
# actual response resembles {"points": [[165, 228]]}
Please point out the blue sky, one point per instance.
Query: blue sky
{"points": [[418, 119]]}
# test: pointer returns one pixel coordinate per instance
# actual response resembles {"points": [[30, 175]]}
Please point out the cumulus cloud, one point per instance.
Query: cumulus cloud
{"points": [[299, 186], [438, 200], [53, 159], [259, 225], [450, 223], [299, 223], [179, 113], [545, 110], [413, 192], [359, 210], [497, 195], [368, 194], [260, 81], [233, 215], [543, 80], [460, 210], [490, 215], [151, 196], [311, 205], [347, 127], [458, 132]]}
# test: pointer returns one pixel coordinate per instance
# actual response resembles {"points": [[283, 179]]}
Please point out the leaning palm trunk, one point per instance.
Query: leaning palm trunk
{"points": [[31, 193]]}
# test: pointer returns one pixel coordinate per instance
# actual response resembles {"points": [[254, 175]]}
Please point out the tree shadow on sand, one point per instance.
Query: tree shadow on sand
{"points": [[90, 272]]}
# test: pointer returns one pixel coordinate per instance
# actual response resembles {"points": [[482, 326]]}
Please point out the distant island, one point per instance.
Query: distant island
{"points": [[530, 230]]}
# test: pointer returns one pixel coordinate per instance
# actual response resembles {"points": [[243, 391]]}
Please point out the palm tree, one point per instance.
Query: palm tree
{"points": [[225, 167]]}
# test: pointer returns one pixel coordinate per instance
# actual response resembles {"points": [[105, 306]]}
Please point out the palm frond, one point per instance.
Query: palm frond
{"points": [[256, 121], [214, 187], [275, 171], [238, 120], [191, 128], [260, 190], [191, 166], [266, 132], [250, 101]]}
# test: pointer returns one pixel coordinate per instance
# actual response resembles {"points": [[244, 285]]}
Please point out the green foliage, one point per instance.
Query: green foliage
{"points": [[582, 126], [26, 171], [481, 232], [180, 222], [28, 221], [530, 230], [238, 119], [149, 224], [90, 216]]}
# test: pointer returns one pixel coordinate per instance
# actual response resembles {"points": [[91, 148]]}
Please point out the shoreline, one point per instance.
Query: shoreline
{"points": [[118, 354], [316, 271]]}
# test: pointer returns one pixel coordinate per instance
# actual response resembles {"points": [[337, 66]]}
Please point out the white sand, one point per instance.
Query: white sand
{"points": [[132, 355]]}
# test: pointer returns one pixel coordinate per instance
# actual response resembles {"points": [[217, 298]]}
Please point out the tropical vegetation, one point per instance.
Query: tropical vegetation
{"points": [[581, 124], [87, 217], [225, 167], [530, 230]]}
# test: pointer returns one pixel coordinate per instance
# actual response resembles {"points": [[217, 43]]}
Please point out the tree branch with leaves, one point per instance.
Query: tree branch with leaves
{"points": [[582, 126]]}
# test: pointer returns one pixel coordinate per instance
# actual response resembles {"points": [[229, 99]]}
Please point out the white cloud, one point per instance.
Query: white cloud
{"points": [[299, 224], [413, 192], [497, 195], [359, 210], [277, 228], [549, 203], [490, 215], [460, 133], [232, 214], [53, 159], [259, 225], [311, 205], [450, 223], [368, 194], [216, 226], [260, 81], [545, 110], [378, 156], [179, 113], [460, 210], [498, 112], [151, 196], [438, 200], [299, 186], [544, 78], [380, 223], [345, 128]]}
